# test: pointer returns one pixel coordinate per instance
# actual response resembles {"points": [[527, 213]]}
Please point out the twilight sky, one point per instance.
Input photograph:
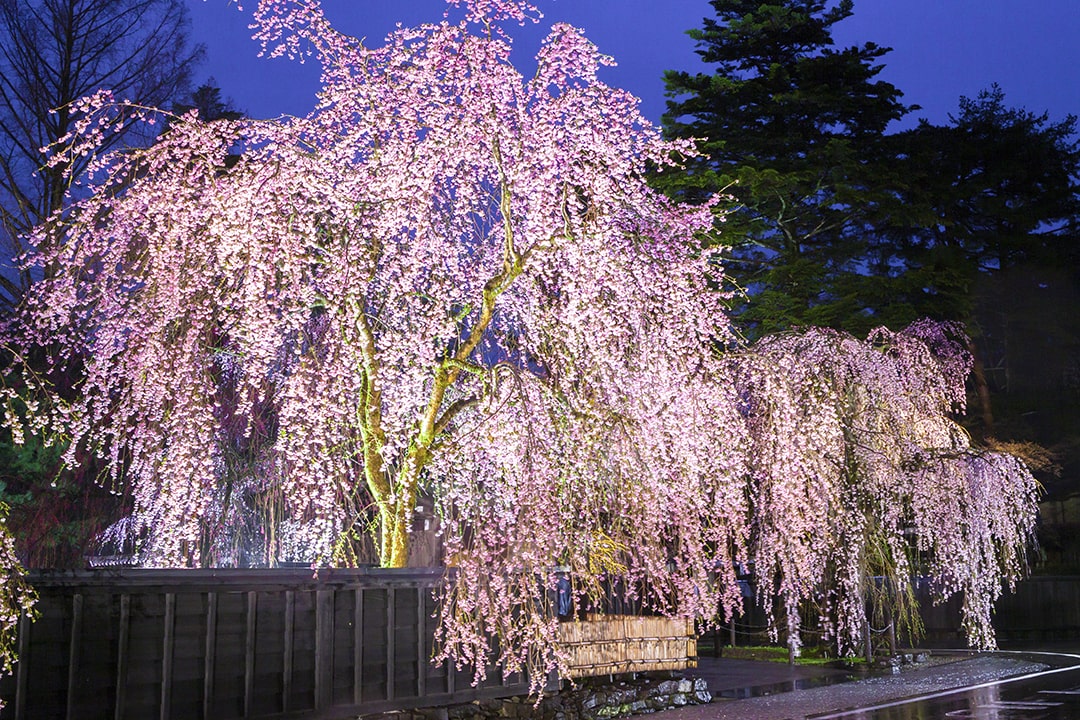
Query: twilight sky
{"points": [[942, 49]]}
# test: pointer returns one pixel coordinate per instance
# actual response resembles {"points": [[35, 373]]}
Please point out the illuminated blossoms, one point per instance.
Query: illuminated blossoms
{"points": [[452, 283]]}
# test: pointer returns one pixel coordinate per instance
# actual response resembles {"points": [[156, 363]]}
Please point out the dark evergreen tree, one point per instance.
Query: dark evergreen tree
{"points": [[838, 223], [997, 248], [792, 129], [998, 187], [210, 104]]}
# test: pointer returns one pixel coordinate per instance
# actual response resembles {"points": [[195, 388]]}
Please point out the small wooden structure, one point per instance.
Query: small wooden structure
{"points": [[611, 644]]}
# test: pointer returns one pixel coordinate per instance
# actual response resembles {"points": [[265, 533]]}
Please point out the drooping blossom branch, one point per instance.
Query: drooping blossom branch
{"points": [[861, 471], [17, 598]]}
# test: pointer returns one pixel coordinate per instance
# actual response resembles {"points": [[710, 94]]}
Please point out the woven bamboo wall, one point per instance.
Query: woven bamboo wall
{"points": [[608, 645]]}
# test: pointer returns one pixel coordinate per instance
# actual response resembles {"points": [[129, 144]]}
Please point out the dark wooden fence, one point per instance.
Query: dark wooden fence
{"points": [[1041, 609], [221, 644]]}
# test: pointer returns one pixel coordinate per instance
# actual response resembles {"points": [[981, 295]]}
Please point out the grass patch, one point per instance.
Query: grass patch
{"points": [[809, 655]]}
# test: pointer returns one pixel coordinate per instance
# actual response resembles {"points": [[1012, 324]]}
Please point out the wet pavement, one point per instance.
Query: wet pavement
{"points": [[1052, 694], [734, 679], [752, 690]]}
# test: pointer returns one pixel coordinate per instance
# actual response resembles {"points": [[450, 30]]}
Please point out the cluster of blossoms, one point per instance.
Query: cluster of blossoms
{"points": [[860, 471], [453, 282], [17, 598]]}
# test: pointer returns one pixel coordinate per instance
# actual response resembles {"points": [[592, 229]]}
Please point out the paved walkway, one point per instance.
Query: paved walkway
{"points": [[797, 693]]}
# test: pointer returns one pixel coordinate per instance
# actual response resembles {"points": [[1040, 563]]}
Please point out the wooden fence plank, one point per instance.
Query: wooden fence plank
{"points": [[167, 655], [324, 647], [358, 645], [122, 650], [22, 672], [421, 633], [249, 652], [210, 653], [73, 654], [390, 655], [287, 660]]}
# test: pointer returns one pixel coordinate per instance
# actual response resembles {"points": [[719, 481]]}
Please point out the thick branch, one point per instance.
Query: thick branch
{"points": [[450, 369], [370, 411]]}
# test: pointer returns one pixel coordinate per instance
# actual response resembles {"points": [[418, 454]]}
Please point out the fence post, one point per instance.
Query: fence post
{"points": [[209, 655], [324, 647], [421, 633], [73, 653], [249, 651], [167, 655], [122, 655], [358, 645], [22, 673]]}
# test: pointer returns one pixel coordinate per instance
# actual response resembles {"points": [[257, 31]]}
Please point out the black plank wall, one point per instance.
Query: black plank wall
{"points": [[220, 644]]}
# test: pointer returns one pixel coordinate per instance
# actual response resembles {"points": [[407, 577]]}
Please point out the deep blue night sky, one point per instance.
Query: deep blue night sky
{"points": [[942, 49]]}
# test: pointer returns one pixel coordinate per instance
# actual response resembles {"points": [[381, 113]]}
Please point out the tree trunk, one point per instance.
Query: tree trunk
{"points": [[396, 549], [396, 514], [982, 390]]}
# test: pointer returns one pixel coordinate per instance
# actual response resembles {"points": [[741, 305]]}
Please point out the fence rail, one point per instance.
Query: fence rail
{"points": [[222, 644]]}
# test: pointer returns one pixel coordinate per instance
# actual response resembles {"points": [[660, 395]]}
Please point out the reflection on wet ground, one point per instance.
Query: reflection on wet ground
{"points": [[735, 678], [775, 688], [881, 698], [1052, 694]]}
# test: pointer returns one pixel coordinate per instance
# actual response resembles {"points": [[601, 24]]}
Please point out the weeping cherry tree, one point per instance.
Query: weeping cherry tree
{"points": [[451, 282], [862, 480]]}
